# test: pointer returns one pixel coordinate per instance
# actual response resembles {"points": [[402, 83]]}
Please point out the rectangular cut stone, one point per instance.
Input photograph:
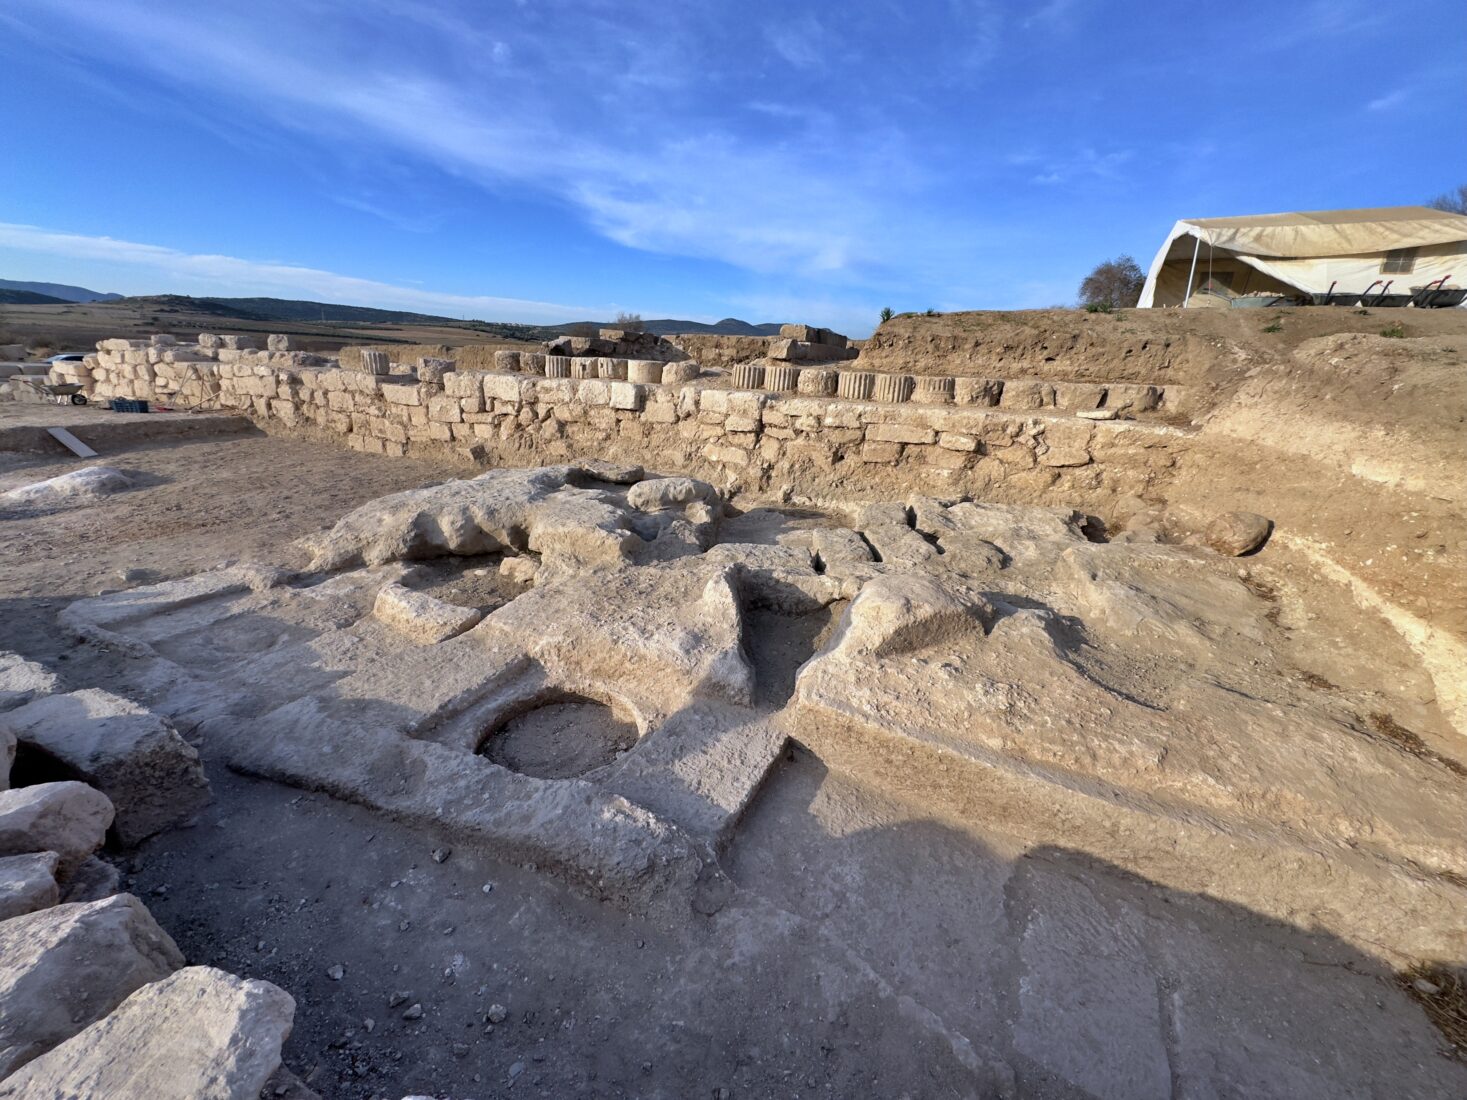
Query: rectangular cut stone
{"points": [[395, 394], [445, 410], [900, 433], [627, 395], [595, 392], [501, 387], [957, 441], [726, 456], [881, 452]]}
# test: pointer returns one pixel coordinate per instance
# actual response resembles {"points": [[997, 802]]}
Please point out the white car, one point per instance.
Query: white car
{"points": [[68, 357]]}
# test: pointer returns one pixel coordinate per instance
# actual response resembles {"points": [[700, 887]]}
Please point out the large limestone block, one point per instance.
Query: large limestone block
{"points": [[64, 968], [423, 618], [817, 382], [1131, 397], [28, 883], [1026, 394], [78, 486], [656, 494], [133, 756], [839, 545], [661, 635], [1237, 533], [535, 509], [199, 1034], [898, 613], [68, 818], [678, 373]]}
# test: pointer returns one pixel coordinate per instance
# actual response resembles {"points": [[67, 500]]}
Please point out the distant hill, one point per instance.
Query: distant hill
{"points": [[29, 298], [729, 326], [286, 309], [292, 311], [61, 292]]}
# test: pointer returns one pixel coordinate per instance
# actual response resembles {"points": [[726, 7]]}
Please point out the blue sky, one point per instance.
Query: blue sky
{"points": [[551, 160]]}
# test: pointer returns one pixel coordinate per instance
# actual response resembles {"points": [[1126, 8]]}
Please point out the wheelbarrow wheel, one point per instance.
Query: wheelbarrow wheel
{"points": [[78, 399]]}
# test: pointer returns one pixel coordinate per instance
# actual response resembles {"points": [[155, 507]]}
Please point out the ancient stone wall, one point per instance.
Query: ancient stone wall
{"points": [[1007, 440]]}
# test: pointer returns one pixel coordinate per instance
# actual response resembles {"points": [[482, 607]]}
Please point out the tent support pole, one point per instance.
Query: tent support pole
{"points": [[1196, 246]]}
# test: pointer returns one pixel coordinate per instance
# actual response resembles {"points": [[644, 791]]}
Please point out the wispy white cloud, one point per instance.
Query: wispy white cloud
{"points": [[1056, 15], [1083, 164], [1389, 100], [595, 129], [153, 267], [803, 42]]}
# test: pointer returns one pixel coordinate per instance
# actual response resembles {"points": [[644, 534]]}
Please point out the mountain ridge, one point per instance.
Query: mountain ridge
{"points": [[62, 292]]}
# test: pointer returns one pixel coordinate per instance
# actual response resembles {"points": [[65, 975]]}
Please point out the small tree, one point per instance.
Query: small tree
{"points": [[886, 314], [631, 322], [1453, 201], [1115, 284]]}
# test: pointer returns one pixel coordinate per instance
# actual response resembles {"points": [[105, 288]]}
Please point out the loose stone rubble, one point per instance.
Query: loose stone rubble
{"points": [[90, 1004]]}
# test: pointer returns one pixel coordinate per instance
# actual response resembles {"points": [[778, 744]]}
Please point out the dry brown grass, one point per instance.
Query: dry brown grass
{"points": [[1387, 729], [1441, 991]]}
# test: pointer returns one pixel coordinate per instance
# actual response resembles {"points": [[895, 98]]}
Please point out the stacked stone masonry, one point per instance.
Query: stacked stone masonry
{"points": [[967, 433]]}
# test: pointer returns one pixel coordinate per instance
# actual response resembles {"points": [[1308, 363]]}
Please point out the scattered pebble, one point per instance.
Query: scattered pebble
{"points": [[487, 888], [497, 1014], [1431, 989], [516, 1069], [336, 973], [460, 1050], [404, 925], [369, 1025], [441, 854], [397, 998], [414, 1012]]}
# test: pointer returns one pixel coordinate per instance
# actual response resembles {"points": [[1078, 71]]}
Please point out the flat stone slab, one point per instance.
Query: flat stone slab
{"points": [[136, 758], [199, 1034], [701, 768], [423, 618]]}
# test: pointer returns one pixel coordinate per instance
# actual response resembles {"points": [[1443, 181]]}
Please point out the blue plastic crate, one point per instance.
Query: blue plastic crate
{"points": [[127, 405]]}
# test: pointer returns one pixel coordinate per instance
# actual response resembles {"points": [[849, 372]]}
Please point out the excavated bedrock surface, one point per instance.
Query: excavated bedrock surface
{"points": [[561, 779]]}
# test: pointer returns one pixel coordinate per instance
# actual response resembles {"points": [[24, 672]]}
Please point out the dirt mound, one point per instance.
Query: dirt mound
{"points": [[1385, 409], [1210, 348]]}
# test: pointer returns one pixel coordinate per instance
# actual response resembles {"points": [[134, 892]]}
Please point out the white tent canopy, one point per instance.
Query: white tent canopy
{"points": [[1309, 253]]}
